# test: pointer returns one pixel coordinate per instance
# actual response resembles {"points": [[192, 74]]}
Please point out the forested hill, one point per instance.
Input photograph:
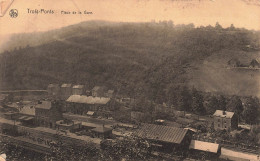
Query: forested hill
{"points": [[134, 58]]}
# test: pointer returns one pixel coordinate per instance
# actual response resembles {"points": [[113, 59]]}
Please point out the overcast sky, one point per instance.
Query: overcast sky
{"points": [[242, 13]]}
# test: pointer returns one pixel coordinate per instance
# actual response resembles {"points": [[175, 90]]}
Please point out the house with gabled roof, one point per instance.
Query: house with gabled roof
{"points": [[102, 132], [254, 64], [225, 120], [98, 91], [81, 104], [47, 113], [53, 89], [65, 91], [78, 89]]}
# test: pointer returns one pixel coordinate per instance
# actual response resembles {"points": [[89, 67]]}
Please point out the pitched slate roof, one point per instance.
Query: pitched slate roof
{"points": [[87, 99], [44, 105], [204, 146], [221, 113], [162, 133]]}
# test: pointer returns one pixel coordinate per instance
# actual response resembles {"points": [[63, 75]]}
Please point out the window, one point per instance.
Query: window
{"points": [[218, 125], [218, 120]]}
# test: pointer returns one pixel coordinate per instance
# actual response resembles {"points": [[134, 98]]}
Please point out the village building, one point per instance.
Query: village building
{"points": [[47, 113], [27, 114], [254, 64], [12, 106], [98, 91], [78, 89], [65, 91], [102, 132], [224, 120], [206, 149], [53, 89], [81, 104], [88, 93], [69, 125], [234, 63], [166, 137], [110, 93], [10, 115], [91, 113]]}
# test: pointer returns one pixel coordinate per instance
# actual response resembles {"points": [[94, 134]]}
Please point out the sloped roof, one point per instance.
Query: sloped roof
{"points": [[204, 146], [90, 113], [88, 99], [78, 86], [28, 109], [101, 129], [221, 113], [254, 62], [26, 118], [162, 133], [44, 105], [66, 85]]}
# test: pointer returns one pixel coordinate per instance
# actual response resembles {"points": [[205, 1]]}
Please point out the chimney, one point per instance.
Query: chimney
{"points": [[224, 112]]}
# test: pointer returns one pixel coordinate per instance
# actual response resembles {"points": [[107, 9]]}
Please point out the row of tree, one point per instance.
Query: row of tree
{"points": [[201, 103]]}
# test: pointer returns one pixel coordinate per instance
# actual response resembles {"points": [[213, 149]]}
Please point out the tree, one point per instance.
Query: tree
{"points": [[235, 105], [232, 27], [250, 113], [222, 103], [218, 26], [184, 99], [212, 105], [197, 102]]}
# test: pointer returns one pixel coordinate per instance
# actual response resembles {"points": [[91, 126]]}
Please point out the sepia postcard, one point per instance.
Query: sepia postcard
{"points": [[129, 80]]}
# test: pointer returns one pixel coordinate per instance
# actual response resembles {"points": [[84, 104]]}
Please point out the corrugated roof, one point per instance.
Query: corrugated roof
{"points": [[162, 133], [66, 85], [78, 86], [204, 146], [44, 105], [221, 113], [88, 99]]}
